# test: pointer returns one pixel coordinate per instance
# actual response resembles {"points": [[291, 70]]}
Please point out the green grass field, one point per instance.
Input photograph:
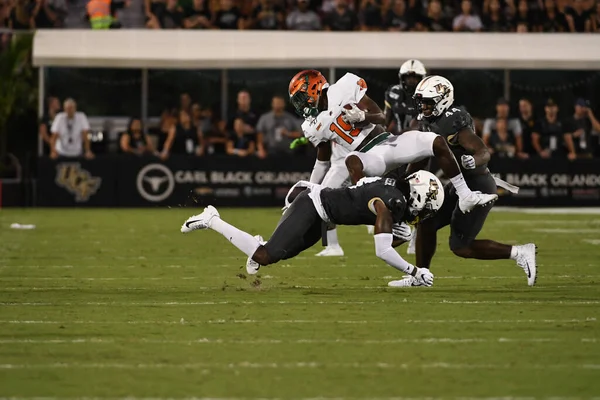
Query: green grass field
{"points": [[118, 303]]}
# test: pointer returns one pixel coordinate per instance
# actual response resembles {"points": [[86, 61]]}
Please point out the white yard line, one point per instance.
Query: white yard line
{"points": [[202, 341], [549, 211], [302, 321], [499, 397], [296, 365]]}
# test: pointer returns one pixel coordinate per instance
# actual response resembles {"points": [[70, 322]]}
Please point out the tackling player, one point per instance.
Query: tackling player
{"points": [[381, 202], [435, 97]]}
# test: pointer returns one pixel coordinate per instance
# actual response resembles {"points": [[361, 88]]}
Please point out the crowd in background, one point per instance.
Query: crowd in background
{"points": [[190, 129], [333, 15]]}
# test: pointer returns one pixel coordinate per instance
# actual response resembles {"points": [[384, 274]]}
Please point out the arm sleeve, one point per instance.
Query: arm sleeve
{"points": [[319, 171], [385, 251]]}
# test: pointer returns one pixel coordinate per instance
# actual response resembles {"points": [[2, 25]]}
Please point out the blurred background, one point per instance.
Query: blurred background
{"points": [[183, 120]]}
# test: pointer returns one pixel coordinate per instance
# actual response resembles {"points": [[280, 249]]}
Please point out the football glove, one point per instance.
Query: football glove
{"points": [[468, 162], [402, 231], [301, 141], [425, 276], [354, 115]]}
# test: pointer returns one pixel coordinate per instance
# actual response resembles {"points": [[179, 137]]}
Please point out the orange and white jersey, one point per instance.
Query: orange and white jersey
{"points": [[329, 125]]}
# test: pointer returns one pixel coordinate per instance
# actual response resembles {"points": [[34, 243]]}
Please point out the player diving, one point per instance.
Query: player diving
{"points": [[384, 203]]}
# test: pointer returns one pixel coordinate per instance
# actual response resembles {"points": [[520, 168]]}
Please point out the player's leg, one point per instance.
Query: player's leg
{"points": [[336, 177], [299, 229], [464, 229], [413, 146]]}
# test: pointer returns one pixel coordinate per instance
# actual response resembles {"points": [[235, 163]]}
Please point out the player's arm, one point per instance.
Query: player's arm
{"points": [[474, 145], [383, 244], [322, 163], [373, 115]]}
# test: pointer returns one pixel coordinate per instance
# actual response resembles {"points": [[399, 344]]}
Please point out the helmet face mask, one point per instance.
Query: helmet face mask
{"points": [[410, 74], [305, 91], [433, 95]]}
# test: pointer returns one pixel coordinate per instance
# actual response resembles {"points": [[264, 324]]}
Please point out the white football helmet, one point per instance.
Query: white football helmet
{"points": [[411, 68], [434, 95], [426, 195]]}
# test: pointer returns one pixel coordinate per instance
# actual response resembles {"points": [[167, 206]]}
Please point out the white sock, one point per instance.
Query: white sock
{"points": [[240, 239], [462, 190], [332, 238], [514, 252]]}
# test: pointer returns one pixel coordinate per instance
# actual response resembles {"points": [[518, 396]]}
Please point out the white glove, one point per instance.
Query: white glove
{"points": [[354, 115], [468, 162], [402, 231], [425, 276]]}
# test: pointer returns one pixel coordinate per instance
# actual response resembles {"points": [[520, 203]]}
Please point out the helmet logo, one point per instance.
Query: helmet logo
{"points": [[433, 189], [441, 88]]}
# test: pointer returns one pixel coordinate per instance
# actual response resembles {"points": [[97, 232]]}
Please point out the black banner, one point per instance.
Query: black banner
{"points": [[129, 181], [549, 183]]}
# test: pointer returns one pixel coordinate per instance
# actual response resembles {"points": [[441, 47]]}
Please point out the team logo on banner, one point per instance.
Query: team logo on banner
{"points": [[155, 182], [77, 181]]}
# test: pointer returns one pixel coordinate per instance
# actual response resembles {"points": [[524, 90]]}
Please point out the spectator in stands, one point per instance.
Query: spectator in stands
{"points": [[184, 138], [435, 20], [525, 16], [501, 144], [53, 108], [513, 126], [134, 140], [585, 128], [213, 133], [549, 138], [185, 102], [552, 19], [267, 15], [168, 119], [596, 19], [172, 16], [467, 21], [342, 18], [396, 19], [198, 16], [4, 14], [228, 16], [70, 131], [277, 129], [495, 20], [527, 121], [21, 16], [197, 115], [155, 10], [243, 138], [370, 15], [302, 18], [522, 27], [578, 18], [50, 13]]}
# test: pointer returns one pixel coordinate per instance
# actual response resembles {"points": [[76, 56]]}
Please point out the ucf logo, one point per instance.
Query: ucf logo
{"points": [[433, 189], [441, 88], [77, 181]]}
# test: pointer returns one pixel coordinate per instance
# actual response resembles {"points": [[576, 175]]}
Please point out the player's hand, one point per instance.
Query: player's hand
{"points": [[468, 162], [353, 115], [402, 232], [301, 141], [425, 276]]}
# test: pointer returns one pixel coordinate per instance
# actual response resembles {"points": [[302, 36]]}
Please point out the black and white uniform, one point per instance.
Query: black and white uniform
{"points": [[300, 226], [464, 228], [403, 107]]}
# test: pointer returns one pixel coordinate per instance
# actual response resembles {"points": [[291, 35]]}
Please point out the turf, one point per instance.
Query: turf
{"points": [[117, 303]]}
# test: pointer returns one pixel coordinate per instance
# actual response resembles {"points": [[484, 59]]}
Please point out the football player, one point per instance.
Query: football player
{"points": [[344, 114], [400, 107], [381, 202], [435, 97]]}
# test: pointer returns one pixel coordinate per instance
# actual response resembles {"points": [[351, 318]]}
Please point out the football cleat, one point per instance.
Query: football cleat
{"points": [[526, 260], [331, 251], [475, 199], [252, 266], [200, 221], [407, 281]]}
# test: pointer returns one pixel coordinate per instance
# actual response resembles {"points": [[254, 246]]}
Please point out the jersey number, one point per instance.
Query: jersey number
{"points": [[344, 130], [452, 111]]}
